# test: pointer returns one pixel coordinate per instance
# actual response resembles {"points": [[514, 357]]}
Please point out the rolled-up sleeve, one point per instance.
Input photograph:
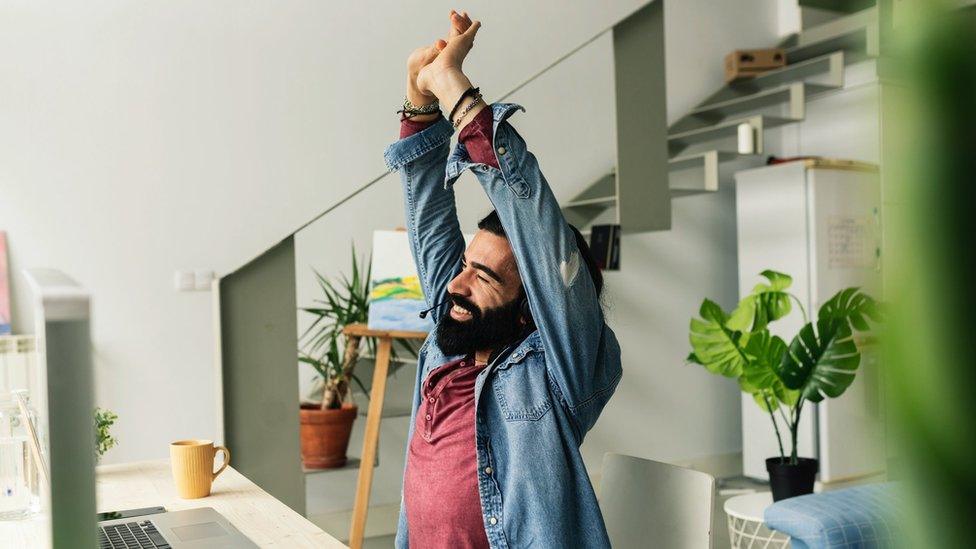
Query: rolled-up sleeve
{"points": [[415, 146]]}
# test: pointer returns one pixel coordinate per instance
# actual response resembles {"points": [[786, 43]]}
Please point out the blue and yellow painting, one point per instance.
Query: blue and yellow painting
{"points": [[396, 297], [395, 304]]}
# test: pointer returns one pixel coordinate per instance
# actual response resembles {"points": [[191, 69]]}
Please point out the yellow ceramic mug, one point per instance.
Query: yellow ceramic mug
{"points": [[193, 462]]}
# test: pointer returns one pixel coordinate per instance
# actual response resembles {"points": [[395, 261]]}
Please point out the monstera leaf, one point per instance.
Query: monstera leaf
{"points": [[759, 377], [821, 361], [766, 303], [714, 346], [853, 305]]}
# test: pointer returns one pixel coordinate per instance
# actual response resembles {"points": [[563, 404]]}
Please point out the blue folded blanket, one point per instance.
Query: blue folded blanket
{"points": [[861, 517]]}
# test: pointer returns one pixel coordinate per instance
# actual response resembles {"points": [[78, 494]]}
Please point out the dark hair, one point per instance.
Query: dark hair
{"points": [[493, 225]]}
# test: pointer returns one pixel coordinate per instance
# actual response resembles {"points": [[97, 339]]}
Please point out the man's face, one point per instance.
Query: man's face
{"points": [[485, 297]]}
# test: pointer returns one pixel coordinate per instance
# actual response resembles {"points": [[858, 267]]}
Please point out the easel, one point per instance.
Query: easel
{"points": [[371, 438]]}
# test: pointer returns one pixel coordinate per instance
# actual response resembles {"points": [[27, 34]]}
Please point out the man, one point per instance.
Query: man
{"points": [[521, 363]]}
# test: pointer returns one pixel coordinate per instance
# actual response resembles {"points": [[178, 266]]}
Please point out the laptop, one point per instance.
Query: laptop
{"points": [[203, 527]]}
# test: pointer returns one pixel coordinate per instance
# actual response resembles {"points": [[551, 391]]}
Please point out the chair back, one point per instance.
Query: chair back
{"points": [[651, 504]]}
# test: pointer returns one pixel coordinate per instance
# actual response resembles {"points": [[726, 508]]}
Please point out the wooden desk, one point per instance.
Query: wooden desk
{"points": [[262, 518]]}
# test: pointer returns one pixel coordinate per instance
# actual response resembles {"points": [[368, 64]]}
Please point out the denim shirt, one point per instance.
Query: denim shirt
{"points": [[538, 398]]}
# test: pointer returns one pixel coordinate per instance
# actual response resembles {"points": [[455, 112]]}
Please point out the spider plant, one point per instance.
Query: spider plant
{"points": [[323, 345]]}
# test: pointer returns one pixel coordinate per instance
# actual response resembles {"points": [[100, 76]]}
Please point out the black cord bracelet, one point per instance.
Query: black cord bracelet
{"points": [[472, 91]]}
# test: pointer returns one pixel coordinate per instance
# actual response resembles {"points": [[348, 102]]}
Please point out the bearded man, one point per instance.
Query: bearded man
{"points": [[521, 361]]}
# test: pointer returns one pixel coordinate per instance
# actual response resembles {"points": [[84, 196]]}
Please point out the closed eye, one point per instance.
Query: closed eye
{"points": [[483, 269]]}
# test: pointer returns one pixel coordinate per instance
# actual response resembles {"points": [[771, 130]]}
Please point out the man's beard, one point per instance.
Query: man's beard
{"points": [[490, 329]]}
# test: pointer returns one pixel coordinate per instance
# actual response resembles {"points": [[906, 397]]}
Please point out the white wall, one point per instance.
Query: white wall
{"points": [[141, 138]]}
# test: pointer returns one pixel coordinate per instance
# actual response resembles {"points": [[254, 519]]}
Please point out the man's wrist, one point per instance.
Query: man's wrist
{"points": [[448, 87], [419, 99], [415, 95]]}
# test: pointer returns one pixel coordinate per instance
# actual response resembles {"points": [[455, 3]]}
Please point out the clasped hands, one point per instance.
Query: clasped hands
{"points": [[434, 72]]}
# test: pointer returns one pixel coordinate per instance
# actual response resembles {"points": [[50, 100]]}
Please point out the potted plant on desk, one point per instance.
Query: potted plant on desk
{"points": [[820, 361], [326, 425]]}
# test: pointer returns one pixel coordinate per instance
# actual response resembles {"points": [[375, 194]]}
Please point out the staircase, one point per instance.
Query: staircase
{"points": [[703, 146]]}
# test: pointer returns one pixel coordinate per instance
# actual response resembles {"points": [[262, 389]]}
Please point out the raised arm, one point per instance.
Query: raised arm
{"points": [[562, 296], [436, 241]]}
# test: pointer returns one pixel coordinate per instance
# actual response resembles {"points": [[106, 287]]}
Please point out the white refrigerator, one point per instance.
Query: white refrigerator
{"points": [[818, 221]]}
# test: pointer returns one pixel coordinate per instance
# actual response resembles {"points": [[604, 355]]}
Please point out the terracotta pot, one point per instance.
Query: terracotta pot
{"points": [[325, 435]]}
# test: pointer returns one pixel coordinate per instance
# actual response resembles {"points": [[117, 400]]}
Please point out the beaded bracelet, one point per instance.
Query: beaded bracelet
{"points": [[410, 110], [471, 105], [472, 91]]}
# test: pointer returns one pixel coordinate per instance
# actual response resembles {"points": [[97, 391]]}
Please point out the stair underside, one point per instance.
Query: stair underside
{"points": [[699, 142]]}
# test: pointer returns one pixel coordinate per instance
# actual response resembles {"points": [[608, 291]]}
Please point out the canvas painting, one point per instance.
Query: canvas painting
{"points": [[396, 297], [4, 287]]}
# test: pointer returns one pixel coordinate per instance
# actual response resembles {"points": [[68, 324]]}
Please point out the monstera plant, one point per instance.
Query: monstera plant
{"points": [[819, 362]]}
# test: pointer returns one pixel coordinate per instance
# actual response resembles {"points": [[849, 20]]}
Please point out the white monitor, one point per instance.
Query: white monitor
{"points": [[64, 403]]}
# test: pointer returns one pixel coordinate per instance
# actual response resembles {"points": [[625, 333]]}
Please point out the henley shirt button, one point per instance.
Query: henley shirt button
{"points": [[431, 399], [487, 470], [492, 520], [502, 150], [428, 417]]}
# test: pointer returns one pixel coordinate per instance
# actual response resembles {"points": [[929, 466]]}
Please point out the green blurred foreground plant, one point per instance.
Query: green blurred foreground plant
{"points": [[104, 441], [819, 362]]}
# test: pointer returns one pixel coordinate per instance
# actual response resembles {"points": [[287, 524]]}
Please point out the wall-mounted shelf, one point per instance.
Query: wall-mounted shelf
{"points": [[707, 171], [826, 70], [792, 95], [725, 130]]}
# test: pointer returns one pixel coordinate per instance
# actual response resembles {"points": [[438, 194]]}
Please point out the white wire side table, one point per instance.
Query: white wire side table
{"points": [[746, 527]]}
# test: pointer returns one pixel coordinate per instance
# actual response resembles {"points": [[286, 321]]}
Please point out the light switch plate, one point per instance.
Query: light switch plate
{"points": [[204, 278], [184, 281]]}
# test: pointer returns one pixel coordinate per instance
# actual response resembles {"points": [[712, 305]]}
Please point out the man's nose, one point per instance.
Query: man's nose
{"points": [[460, 285]]}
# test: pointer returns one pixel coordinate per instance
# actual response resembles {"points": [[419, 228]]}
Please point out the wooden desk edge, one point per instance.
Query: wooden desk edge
{"points": [[237, 498]]}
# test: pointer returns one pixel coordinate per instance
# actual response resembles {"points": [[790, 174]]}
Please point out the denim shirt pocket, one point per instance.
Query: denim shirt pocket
{"points": [[521, 389]]}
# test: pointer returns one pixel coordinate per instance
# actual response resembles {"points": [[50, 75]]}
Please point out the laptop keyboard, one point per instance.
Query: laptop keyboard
{"points": [[131, 535]]}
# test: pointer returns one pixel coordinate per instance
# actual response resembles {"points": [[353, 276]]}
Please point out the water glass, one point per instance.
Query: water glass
{"points": [[19, 478]]}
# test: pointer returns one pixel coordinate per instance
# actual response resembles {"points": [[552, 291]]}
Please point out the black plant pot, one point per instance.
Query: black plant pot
{"points": [[789, 481]]}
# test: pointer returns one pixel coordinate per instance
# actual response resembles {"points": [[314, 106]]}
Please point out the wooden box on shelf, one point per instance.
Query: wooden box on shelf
{"points": [[741, 64]]}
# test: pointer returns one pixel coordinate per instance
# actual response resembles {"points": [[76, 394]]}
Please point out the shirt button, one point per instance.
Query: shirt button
{"points": [[431, 399], [502, 150], [487, 470], [492, 520], [428, 417], [462, 364]]}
